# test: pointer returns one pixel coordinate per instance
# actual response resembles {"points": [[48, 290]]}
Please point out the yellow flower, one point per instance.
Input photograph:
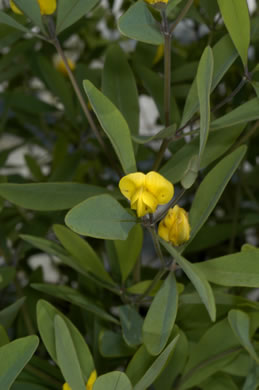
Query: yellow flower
{"points": [[47, 7], [156, 1], [146, 192], [175, 227], [60, 65], [92, 378]]}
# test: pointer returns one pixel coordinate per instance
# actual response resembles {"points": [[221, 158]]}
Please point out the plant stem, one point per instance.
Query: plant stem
{"points": [[230, 97], [60, 51], [181, 15], [156, 243]]}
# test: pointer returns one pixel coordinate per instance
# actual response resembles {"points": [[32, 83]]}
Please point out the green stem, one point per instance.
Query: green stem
{"points": [[156, 243], [181, 15], [60, 51]]}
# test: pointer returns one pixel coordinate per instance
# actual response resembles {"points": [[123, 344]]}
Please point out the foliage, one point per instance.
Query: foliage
{"points": [[174, 307]]}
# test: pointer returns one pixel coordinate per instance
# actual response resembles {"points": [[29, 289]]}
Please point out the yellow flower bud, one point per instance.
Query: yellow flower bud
{"points": [[175, 227], [146, 192], [47, 7], [92, 378], [60, 65]]}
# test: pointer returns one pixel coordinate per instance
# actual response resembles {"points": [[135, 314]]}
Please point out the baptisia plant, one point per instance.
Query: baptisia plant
{"points": [[47, 7]]}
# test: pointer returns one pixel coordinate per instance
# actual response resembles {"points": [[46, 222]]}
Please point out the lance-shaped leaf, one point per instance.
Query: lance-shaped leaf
{"points": [[131, 323], [114, 125], [138, 23], [212, 188], [46, 314], [157, 366], [236, 18], [13, 357], [224, 53], [31, 9], [82, 251], [67, 357], [240, 324], [117, 78], [238, 269], [101, 217], [115, 380], [48, 196], [70, 11], [160, 317], [6, 19], [197, 278], [204, 83]]}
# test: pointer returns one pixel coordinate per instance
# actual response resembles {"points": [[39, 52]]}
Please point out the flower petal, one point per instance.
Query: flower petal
{"points": [[163, 231], [130, 183], [161, 188]]}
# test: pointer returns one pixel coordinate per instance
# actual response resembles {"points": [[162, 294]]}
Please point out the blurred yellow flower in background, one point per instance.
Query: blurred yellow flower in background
{"points": [[60, 65], [146, 192], [156, 1], [47, 7], [175, 227], [88, 386]]}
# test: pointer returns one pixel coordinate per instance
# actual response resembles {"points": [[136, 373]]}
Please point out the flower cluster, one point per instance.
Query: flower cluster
{"points": [[89, 385], [146, 192], [156, 1], [175, 227], [47, 7]]}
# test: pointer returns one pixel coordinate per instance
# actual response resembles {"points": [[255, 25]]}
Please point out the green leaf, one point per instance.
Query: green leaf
{"points": [[101, 217], [14, 357], [117, 78], [6, 19], [67, 358], [157, 366], [48, 196], [160, 318], [76, 298], [237, 20], [138, 23], [8, 314], [246, 112], [204, 83], [4, 339], [210, 354], [224, 54], [131, 323], [212, 188], [114, 125], [115, 380], [31, 9], [197, 278], [129, 250], [112, 345], [238, 269], [240, 324], [82, 251], [46, 314], [139, 364], [219, 381], [70, 11], [252, 379]]}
